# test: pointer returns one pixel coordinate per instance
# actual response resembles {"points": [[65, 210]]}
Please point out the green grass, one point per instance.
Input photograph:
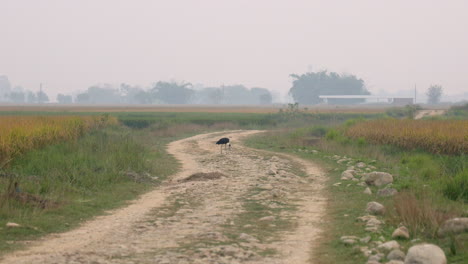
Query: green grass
{"points": [[82, 178], [439, 181]]}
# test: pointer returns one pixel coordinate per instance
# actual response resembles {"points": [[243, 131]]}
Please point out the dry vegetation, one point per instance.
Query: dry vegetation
{"points": [[435, 136], [187, 108], [19, 134]]}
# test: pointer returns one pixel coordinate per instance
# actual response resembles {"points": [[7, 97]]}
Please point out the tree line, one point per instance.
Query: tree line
{"points": [[306, 90]]}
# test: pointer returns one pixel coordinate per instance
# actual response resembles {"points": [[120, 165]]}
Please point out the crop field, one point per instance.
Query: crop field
{"points": [[185, 109], [20, 134], [435, 136]]}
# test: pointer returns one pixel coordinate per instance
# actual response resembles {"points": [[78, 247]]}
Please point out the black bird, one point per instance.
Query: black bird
{"points": [[223, 141]]}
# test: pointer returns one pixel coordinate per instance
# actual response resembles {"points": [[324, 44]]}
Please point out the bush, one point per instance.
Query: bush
{"points": [[456, 188], [419, 213]]}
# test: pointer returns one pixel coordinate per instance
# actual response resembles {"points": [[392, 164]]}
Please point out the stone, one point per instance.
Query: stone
{"points": [[349, 240], [347, 175], [365, 240], [377, 178], [372, 262], [11, 224], [454, 226], [401, 232], [425, 254], [376, 257], [361, 165], [396, 254], [386, 192], [337, 184], [248, 237], [390, 245], [341, 161], [367, 191], [267, 218], [395, 262], [375, 208]]}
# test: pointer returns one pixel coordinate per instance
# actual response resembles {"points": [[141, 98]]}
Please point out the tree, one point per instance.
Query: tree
{"points": [[31, 97], [261, 95], [42, 97], [173, 93], [308, 87], [82, 98], [434, 93], [64, 99], [17, 97]]}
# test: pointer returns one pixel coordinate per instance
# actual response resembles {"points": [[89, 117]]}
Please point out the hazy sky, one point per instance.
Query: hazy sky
{"points": [[70, 45]]}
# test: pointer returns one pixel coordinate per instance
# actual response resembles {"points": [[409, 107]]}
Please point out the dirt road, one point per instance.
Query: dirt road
{"points": [[428, 113], [250, 207]]}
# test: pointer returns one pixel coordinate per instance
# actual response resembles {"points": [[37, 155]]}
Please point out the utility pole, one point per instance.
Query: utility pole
{"points": [[415, 93]]}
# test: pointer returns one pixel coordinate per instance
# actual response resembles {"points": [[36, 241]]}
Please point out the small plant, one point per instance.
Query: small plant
{"points": [[456, 188]]}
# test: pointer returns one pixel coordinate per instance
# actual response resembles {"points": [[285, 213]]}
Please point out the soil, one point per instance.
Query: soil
{"points": [[206, 220], [425, 113]]}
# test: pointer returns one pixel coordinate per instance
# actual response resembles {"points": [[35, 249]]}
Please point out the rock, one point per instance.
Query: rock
{"points": [[396, 254], [341, 161], [361, 165], [386, 192], [265, 186], [267, 218], [372, 262], [247, 237], [347, 175], [349, 240], [378, 178], [395, 262], [376, 257], [314, 151], [401, 232], [361, 184], [454, 226], [425, 254], [390, 245], [11, 224], [375, 208], [271, 172], [277, 193], [337, 184], [365, 240], [367, 191]]}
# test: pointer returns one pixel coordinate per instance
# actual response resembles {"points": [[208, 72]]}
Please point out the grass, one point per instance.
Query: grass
{"points": [[423, 179], [84, 177]]}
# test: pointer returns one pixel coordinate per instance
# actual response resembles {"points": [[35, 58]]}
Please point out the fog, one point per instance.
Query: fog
{"points": [[70, 46]]}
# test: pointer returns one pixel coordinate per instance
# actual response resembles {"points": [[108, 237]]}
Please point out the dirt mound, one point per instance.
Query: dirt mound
{"points": [[202, 176]]}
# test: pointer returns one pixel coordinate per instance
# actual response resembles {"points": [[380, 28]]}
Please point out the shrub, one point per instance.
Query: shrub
{"points": [[456, 188]]}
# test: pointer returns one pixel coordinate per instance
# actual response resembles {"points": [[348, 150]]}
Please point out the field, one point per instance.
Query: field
{"points": [[69, 166], [20, 134], [434, 136]]}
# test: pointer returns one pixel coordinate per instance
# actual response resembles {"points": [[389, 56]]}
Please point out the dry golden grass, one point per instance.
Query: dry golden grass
{"points": [[19, 134], [435, 136], [186, 108]]}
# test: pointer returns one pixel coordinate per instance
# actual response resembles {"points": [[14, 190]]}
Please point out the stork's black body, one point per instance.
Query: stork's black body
{"points": [[223, 141]]}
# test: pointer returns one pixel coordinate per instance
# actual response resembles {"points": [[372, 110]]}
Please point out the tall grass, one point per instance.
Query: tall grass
{"points": [[435, 136], [19, 134]]}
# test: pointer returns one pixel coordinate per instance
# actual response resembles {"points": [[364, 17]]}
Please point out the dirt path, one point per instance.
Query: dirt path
{"points": [[423, 113], [262, 209]]}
